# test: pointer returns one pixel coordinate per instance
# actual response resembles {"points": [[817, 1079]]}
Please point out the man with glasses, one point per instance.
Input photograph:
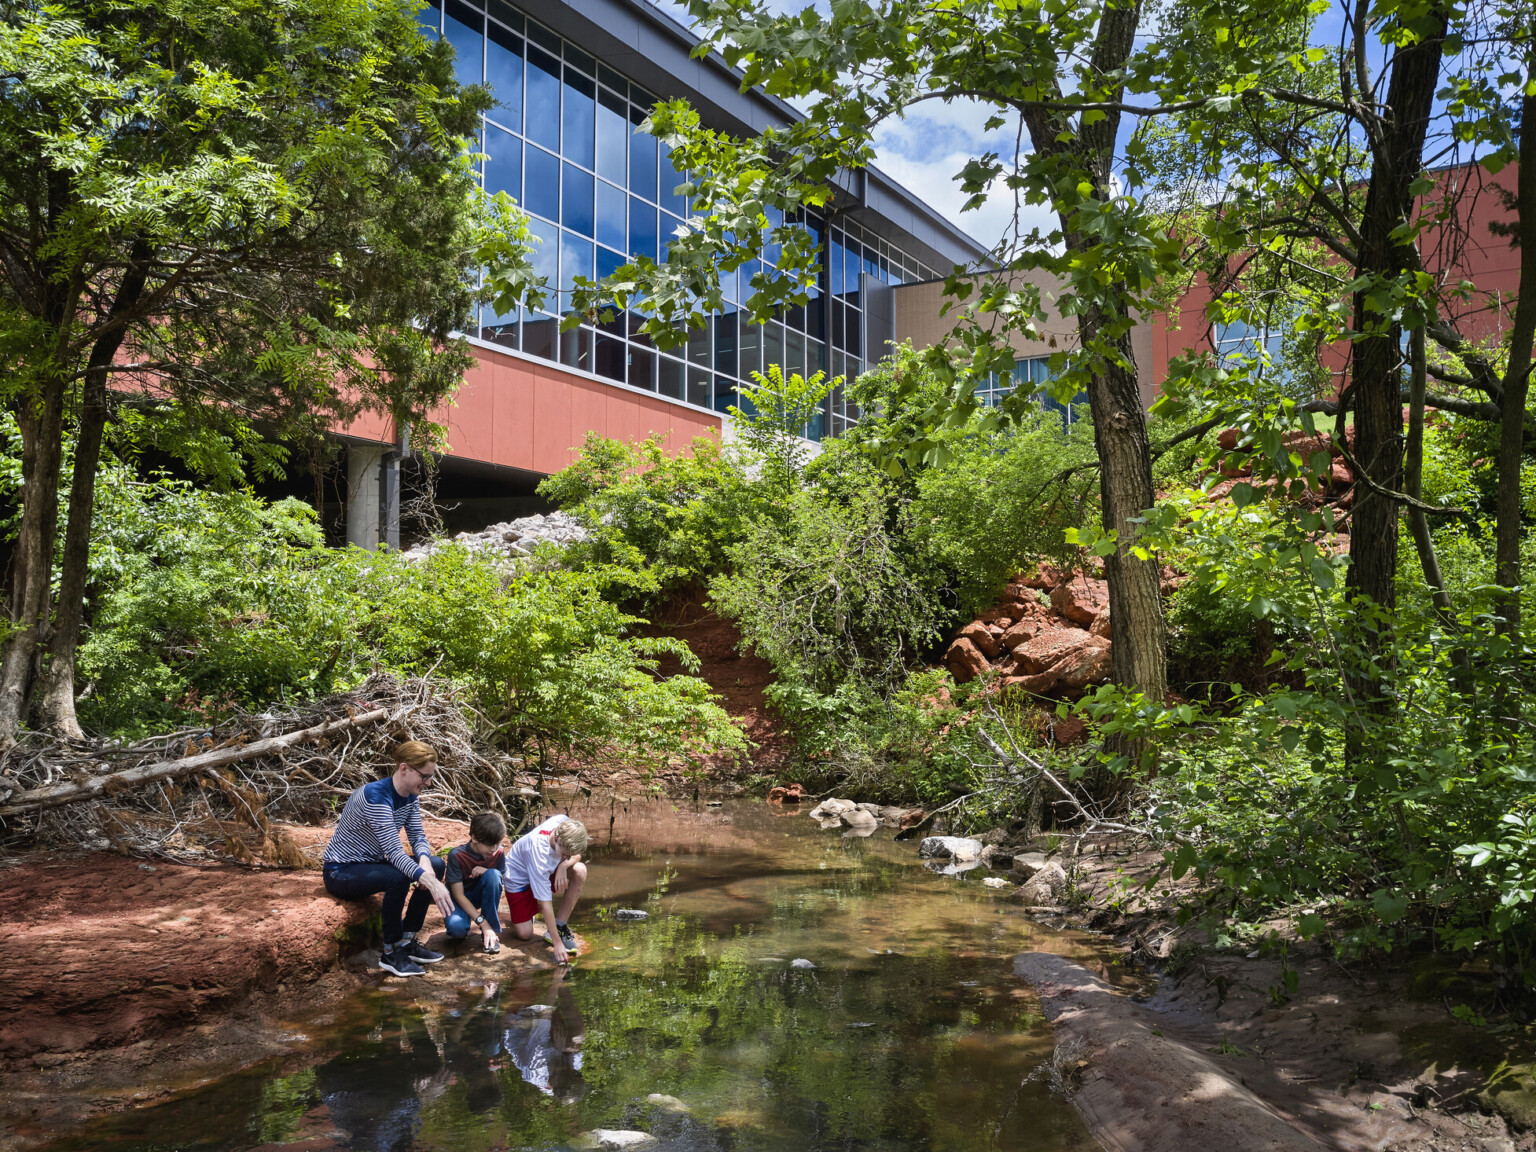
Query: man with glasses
{"points": [[365, 856]]}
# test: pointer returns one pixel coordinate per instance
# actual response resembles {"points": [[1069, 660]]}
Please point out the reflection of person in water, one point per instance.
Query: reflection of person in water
{"points": [[544, 1042], [376, 1095]]}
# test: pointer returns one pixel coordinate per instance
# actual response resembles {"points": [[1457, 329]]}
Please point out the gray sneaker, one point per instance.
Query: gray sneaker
{"points": [[567, 937]]}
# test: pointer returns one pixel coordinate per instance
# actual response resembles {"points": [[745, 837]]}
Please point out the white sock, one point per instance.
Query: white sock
{"points": [[405, 941]]}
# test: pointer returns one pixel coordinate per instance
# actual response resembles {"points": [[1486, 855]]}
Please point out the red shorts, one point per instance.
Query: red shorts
{"points": [[521, 906]]}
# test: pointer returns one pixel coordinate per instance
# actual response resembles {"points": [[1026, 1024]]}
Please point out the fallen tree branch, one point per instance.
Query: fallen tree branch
{"points": [[54, 796]]}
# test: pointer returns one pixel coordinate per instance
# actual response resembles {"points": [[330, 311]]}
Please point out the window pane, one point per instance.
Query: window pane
{"points": [[750, 354], [815, 357], [698, 347], [574, 55], [744, 276], [773, 345], [576, 349], [540, 335], [430, 18], [503, 163], [612, 136], [541, 189], [642, 369], [794, 353], [669, 377], [579, 112], [546, 256], [508, 15], [608, 76], [545, 39], [816, 317], [504, 73], [608, 262], [575, 260], [642, 158], [576, 200], [726, 396], [836, 261], [698, 386], [839, 333], [612, 210], [669, 226], [609, 358], [853, 345], [642, 229], [670, 179], [543, 99], [465, 30], [725, 343]]}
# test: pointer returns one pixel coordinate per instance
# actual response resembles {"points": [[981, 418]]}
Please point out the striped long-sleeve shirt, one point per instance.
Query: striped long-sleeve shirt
{"points": [[369, 829]]}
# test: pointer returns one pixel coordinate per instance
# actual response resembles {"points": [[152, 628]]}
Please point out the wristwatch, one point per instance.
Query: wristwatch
{"points": [[480, 919]]}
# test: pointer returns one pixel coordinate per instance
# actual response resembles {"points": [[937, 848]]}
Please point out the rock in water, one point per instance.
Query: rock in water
{"points": [[995, 882], [630, 914], [666, 1103], [801, 963], [1026, 864], [828, 809], [957, 848], [1046, 887], [860, 819], [615, 1138]]}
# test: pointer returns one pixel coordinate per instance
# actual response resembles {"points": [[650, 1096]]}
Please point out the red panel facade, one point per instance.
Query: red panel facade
{"points": [[533, 415]]}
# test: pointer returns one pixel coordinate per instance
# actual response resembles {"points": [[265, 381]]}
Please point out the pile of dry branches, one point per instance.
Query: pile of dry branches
{"points": [[223, 792]]}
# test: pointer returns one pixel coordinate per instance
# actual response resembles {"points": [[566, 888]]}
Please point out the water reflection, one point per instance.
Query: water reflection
{"points": [[695, 1025]]}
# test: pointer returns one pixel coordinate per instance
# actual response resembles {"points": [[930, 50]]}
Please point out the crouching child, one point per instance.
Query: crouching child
{"points": [[542, 866], [475, 881]]}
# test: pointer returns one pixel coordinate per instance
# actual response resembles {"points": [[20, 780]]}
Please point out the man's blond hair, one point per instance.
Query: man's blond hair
{"points": [[572, 836]]}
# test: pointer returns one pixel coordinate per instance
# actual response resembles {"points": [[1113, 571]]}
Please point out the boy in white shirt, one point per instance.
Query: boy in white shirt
{"points": [[542, 865]]}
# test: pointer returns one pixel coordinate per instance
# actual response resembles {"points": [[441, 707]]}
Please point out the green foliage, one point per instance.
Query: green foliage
{"points": [[672, 518], [206, 600]]}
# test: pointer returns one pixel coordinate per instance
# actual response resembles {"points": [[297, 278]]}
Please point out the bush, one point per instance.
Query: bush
{"points": [[204, 601]]}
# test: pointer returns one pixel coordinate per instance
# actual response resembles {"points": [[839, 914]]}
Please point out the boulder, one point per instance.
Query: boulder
{"points": [[828, 809], [803, 964], [666, 1103], [1070, 730], [1020, 633], [995, 882], [1026, 864], [1039, 683], [791, 794], [859, 820], [1081, 600], [996, 858], [1048, 886], [981, 636], [911, 818], [957, 848], [1090, 665], [630, 914], [1051, 648], [1101, 625], [965, 661]]}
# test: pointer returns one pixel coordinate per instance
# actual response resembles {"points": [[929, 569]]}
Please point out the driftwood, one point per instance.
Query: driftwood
{"points": [[97, 787]]}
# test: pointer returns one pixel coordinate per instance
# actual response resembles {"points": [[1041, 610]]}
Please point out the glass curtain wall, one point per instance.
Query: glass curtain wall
{"points": [[1034, 373], [564, 141]]}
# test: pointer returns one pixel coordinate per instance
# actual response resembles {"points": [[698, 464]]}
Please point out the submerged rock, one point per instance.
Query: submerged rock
{"points": [[802, 963], [995, 882], [665, 1102], [630, 914], [615, 1138], [957, 848]]}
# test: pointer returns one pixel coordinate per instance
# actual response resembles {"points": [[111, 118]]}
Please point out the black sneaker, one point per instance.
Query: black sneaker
{"points": [[567, 937], [421, 954], [400, 963]]}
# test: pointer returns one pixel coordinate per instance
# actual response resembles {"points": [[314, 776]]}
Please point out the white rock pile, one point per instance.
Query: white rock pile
{"points": [[513, 538]]}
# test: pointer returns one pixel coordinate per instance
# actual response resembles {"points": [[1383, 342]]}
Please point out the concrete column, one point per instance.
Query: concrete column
{"points": [[365, 475]]}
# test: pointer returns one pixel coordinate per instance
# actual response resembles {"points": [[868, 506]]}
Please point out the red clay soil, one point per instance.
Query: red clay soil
{"points": [[739, 679], [101, 951]]}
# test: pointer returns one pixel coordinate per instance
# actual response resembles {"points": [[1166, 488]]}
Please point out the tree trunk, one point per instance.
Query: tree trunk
{"points": [[1517, 379], [1120, 436], [56, 704], [1413, 479], [1376, 362], [41, 420]]}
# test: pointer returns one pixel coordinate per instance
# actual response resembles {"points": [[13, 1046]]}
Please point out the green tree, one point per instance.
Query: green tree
{"points": [[242, 210]]}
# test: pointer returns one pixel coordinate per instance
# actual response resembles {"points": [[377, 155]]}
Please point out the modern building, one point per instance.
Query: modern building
{"points": [[573, 80]]}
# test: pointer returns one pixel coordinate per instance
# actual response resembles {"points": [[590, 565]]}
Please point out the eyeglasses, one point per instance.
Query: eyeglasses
{"points": [[426, 777]]}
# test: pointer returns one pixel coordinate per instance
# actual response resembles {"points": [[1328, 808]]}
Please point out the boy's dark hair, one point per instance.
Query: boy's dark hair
{"points": [[487, 828]]}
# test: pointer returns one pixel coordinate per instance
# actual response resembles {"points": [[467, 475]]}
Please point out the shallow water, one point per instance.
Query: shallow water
{"points": [[909, 1033]]}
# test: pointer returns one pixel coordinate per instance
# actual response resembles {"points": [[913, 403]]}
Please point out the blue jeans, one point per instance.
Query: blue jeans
{"points": [[354, 881], [485, 892]]}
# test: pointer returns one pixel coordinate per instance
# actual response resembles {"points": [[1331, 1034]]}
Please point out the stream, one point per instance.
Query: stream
{"points": [[906, 1030]]}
